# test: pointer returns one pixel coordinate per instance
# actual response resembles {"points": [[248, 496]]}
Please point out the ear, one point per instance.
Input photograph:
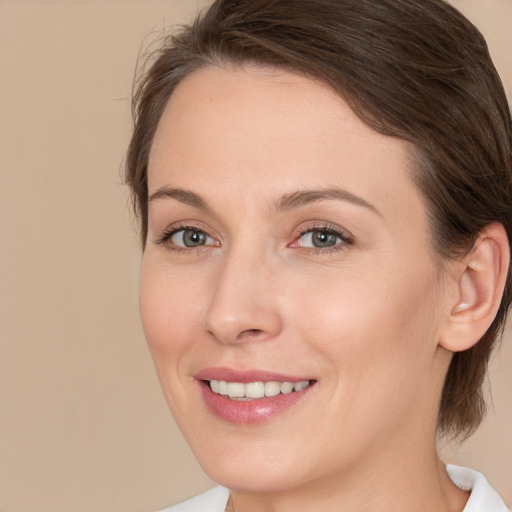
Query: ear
{"points": [[479, 283]]}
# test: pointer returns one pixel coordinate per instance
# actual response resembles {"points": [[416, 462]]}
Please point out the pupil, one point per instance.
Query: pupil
{"points": [[193, 238], [324, 239]]}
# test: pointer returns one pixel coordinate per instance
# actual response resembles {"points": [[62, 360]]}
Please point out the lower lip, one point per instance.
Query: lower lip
{"points": [[249, 412]]}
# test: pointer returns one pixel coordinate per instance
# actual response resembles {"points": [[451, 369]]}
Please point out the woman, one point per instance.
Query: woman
{"points": [[324, 194]]}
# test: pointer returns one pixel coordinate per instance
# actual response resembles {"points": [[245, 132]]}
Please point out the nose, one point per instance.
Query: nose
{"points": [[244, 304]]}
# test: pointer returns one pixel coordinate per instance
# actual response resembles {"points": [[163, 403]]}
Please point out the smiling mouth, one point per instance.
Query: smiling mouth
{"points": [[255, 390]]}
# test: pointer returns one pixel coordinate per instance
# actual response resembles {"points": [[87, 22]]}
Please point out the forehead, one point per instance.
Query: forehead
{"points": [[256, 129]]}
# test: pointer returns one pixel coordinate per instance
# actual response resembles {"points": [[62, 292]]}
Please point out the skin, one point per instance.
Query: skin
{"points": [[363, 317]]}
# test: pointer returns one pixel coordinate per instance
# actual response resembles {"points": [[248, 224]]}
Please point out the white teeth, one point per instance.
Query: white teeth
{"points": [[286, 387], [255, 390], [223, 387], [298, 386], [214, 384], [236, 389], [251, 390], [272, 388]]}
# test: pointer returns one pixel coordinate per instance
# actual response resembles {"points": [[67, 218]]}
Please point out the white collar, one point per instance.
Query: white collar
{"points": [[483, 497]]}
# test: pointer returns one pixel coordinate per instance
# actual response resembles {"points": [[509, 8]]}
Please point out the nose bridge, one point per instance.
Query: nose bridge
{"points": [[243, 304]]}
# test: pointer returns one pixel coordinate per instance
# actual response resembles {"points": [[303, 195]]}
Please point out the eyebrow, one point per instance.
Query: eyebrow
{"points": [[183, 196], [286, 202], [303, 198]]}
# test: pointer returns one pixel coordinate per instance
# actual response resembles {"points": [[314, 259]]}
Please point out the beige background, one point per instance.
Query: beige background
{"points": [[83, 426]]}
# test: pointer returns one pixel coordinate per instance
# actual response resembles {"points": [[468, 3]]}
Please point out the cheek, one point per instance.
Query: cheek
{"points": [[379, 342], [168, 306], [386, 323], [170, 319]]}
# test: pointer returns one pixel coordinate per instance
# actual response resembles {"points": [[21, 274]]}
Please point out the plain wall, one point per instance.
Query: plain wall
{"points": [[83, 425]]}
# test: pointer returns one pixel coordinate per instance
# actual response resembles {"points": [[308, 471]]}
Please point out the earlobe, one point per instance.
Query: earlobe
{"points": [[480, 285]]}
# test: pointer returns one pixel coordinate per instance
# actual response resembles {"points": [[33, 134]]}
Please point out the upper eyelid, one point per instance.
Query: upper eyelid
{"points": [[330, 229], [319, 226], [344, 236], [170, 231]]}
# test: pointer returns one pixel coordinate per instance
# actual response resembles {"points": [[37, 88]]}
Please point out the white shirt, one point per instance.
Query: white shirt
{"points": [[483, 497]]}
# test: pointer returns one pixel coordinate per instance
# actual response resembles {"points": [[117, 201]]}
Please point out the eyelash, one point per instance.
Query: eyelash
{"points": [[169, 233], [345, 238], [325, 228]]}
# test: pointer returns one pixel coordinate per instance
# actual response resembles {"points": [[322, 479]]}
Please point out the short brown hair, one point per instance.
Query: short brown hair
{"points": [[413, 69]]}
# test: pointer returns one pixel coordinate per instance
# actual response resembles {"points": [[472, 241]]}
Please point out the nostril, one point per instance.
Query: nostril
{"points": [[249, 333]]}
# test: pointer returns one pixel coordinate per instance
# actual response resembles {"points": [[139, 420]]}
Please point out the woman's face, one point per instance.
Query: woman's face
{"points": [[288, 245]]}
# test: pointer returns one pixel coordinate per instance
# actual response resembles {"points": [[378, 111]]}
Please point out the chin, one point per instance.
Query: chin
{"points": [[251, 466], [258, 478]]}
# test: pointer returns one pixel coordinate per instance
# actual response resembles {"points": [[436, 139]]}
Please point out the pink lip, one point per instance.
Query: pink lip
{"points": [[253, 411]]}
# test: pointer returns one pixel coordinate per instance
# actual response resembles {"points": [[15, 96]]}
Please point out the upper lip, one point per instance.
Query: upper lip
{"points": [[244, 376]]}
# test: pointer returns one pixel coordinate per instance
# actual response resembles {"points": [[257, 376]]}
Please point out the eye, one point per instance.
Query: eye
{"points": [[190, 238], [321, 237], [186, 237]]}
